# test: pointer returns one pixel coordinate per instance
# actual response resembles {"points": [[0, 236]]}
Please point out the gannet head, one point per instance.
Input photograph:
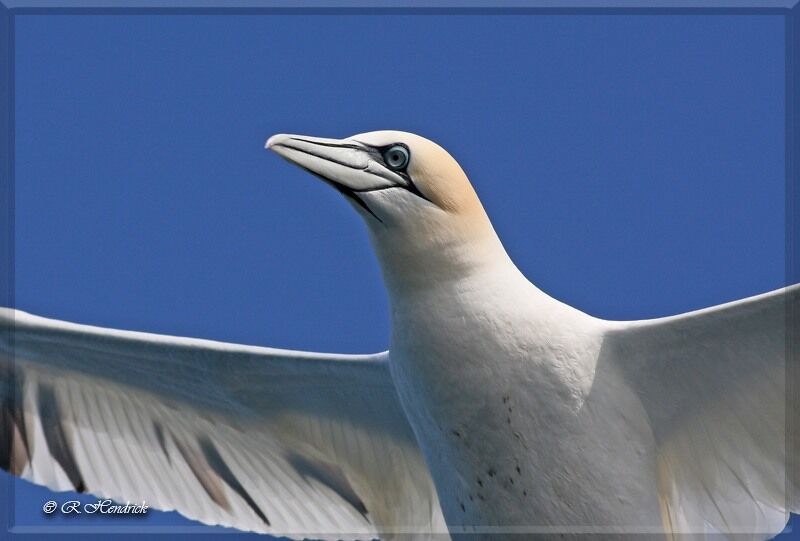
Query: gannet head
{"points": [[424, 216]]}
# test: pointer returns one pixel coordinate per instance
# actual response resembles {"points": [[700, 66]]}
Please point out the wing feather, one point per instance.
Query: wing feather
{"points": [[284, 442], [714, 384]]}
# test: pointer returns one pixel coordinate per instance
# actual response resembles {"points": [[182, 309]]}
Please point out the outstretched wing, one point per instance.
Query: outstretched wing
{"points": [[715, 387], [285, 442]]}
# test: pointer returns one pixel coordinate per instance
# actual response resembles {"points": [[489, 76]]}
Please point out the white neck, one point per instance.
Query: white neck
{"points": [[466, 275]]}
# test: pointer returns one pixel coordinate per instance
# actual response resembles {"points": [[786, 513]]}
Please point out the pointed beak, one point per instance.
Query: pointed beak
{"points": [[350, 166]]}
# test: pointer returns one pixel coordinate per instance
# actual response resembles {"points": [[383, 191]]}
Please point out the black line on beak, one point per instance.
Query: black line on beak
{"points": [[341, 188], [376, 154], [326, 158], [344, 190], [333, 145]]}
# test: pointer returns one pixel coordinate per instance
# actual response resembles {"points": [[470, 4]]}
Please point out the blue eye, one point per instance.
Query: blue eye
{"points": [[396, 157]]}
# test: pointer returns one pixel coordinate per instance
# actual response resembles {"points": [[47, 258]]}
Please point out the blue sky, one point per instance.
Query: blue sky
{"points": [[632, 165]]}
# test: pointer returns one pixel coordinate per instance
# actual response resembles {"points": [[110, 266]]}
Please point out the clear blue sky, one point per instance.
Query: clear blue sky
{"points": [[633, 165]]}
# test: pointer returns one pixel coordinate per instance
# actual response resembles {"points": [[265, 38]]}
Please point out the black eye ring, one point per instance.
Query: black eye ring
{"points": [[396, 157]]}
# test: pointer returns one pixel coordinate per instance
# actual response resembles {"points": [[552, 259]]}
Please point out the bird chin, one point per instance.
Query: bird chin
{"points": [[398, 209]]}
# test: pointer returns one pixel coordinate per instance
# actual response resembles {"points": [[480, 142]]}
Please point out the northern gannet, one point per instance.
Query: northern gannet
{"points": [[497, 409]]}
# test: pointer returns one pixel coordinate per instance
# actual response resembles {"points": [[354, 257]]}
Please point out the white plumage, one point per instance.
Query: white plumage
{"points": [[497, 409]]}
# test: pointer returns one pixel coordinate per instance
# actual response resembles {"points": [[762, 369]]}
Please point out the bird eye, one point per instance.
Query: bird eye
{"points": [[396, 157]]}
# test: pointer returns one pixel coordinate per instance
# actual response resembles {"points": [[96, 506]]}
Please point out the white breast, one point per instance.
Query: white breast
{"points": [[520, 429]]}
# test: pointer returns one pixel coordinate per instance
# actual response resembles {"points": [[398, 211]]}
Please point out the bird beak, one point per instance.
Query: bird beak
{"points": [[350, 166]]}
